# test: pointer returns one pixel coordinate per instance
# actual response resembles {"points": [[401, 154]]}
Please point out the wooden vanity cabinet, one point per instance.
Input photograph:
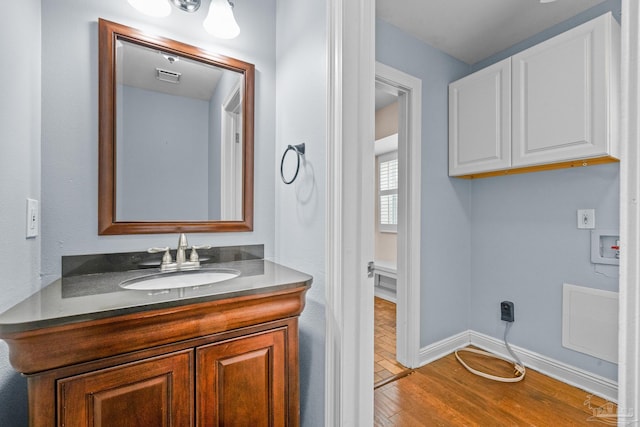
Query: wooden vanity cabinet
{"points": [[243, 379], [229, 362], [155, 392]]}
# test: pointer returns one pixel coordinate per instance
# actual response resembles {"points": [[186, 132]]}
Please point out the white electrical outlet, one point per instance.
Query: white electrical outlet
{"points": [[587, 218], [33, 218]]}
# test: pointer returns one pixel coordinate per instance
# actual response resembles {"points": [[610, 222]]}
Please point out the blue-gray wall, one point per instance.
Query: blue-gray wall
{"points": [[446, 227], [165, 145], [19, 179], [301, 105], [525, 245]]}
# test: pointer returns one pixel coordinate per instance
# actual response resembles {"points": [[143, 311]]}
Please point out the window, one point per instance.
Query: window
{"points": [[388, 192]]}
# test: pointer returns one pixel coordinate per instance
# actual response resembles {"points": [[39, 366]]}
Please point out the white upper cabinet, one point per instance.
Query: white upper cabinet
{"points": [[561, 100], [565, 96], [480, 121]]}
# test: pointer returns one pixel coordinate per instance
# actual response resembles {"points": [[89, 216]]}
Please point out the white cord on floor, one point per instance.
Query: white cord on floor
{"points": [[517, 365]]}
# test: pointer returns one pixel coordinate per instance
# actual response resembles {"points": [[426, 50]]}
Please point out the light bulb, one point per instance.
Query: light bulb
{"points": [[220, 21], [155, 8]]}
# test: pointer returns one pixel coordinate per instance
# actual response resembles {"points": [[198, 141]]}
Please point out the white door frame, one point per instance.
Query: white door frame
{"points": [[629, 321], [350, 135], [231, 155], [409, 90]]}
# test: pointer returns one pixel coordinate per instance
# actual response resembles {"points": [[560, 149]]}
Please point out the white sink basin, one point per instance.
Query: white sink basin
{"points": [[179, 279]]}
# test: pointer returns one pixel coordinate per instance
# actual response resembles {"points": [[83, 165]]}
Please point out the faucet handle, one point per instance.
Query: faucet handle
{"points": [[166, 258], [194, 255], [201, 247]]}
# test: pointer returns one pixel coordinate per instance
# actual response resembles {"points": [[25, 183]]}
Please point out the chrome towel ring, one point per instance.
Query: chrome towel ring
{"points": [[299, 150]]}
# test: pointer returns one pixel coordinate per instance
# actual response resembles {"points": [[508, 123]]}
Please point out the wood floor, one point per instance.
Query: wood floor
{"points": [[385, 365], [443, 393]]}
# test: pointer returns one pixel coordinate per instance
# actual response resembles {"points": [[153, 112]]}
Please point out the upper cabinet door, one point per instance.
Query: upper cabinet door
{"points": [[564, 96], [480, 121]]}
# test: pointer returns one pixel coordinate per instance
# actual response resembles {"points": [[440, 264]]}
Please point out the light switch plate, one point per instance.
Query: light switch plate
{"points": [[587, 218], [33, 218]]}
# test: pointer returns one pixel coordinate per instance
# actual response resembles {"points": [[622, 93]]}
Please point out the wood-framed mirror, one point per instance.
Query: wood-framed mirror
{"points": [[175, 136]]}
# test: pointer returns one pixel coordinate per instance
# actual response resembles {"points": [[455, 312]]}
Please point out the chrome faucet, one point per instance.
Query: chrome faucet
{"points": [[182, 247], [181, 259]]}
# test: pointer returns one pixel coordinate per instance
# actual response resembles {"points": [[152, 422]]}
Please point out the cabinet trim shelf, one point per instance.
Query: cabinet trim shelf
{"points": [[539, 168], [49, 348]]}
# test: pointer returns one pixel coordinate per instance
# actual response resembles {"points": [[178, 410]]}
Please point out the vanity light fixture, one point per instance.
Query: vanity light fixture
{"points": [[187, 5], [219, 22]]}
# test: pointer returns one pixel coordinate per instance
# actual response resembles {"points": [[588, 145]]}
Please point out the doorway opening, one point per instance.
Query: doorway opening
{"points": [[386, 368], [397, 218]]}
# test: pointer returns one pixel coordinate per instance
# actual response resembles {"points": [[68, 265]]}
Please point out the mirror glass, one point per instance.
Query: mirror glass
{"points": [[176, 136], [176, 119]]}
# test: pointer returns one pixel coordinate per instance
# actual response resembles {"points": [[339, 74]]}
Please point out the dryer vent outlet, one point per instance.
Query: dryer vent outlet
{"points": [[506, 311]]}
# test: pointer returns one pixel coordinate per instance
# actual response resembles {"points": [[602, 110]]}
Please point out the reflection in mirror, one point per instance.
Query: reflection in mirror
{"points": [[177, 120], [176, 136]]}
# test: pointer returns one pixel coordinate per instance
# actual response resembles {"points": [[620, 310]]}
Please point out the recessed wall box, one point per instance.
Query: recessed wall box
{"points": [[605, 247]]}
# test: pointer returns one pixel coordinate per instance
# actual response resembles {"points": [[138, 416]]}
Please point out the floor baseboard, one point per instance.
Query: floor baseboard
{"points": [[385, 294], [571, 375], [443, 347]]}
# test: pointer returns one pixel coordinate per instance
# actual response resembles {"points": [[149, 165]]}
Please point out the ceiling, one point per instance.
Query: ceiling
{"points": [[138, 67], [472, 30]]}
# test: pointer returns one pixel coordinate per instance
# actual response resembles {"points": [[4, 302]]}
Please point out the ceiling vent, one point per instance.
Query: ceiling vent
{"points": [[168, 76]]}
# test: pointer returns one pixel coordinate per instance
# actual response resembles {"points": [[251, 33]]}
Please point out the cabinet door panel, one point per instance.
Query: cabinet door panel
{"points": [[156, 392], [480, 121], [561, 98], [242, 382]]}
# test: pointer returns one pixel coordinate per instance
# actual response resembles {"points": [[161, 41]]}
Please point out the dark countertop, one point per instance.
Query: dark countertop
{"points": [[96, 296]]}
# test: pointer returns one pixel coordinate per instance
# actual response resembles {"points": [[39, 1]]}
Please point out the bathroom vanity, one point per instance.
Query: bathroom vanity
{"points": [[213, 355]]}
